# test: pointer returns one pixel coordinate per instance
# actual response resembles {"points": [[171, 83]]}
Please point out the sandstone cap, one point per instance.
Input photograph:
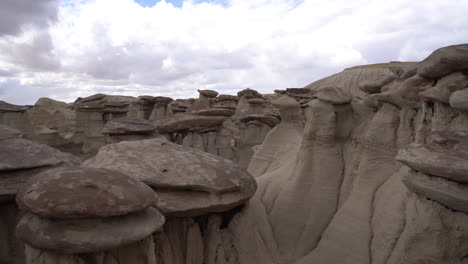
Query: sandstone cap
{"points": [[75, 192], [188, 181], [87, 235], [189, 122]]}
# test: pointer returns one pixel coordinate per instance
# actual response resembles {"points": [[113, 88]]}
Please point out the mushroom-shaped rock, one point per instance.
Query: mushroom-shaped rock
{"points": [[189, 122], [249, 93], [256, 101], [227, 97], [265, 119], [20, 153], [74, 192], [400, 93], [20, 159], [128, 126], [289, 109], [162, 100], [444, 61], [7, 132], [459, 100], [189, 182], [208, 93], [449, 193], [333, 95], [373, 86], [446, 157], [215, 112], [445, 87], [74, 236]]}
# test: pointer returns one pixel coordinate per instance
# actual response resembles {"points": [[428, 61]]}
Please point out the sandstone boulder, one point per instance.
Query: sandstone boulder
{"points": [[7, 132], [449, 193], [373, 86], [445, 87], [333, 95], [74, 236], [444, 158], [444, 61], [189, 122], [83, 192], [208, 93], [215, 112], [189, 182], [128, 126], [459, 100]]}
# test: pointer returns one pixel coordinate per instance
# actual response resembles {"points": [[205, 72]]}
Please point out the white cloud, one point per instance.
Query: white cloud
{"points": [[117, 46]]}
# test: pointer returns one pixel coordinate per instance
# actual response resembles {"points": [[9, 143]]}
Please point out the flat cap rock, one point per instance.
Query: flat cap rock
{"points": [[7, 132], [74, 236], [459, 100], [18, 153], [188, 181], [208, 93], [129, 126], [333, 95], [227, 97], [255, 101], [189, 122], [215, 112], [449, 193], [162, 100], [265, 119], [444, 61], [445, 157], [75, 192], [445, 87]]}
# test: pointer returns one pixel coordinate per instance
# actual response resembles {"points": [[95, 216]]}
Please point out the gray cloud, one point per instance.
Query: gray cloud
{"points": [[15, 14]]}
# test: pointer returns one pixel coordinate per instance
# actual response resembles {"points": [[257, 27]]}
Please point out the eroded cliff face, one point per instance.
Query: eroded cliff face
{"points": [[338, 195], [366, 166]]}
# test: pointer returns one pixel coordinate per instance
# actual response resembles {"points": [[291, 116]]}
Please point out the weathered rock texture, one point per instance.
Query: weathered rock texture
{"points": [[65, 224], [366, 166]]}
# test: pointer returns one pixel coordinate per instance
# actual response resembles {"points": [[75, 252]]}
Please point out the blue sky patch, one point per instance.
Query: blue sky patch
{"points": [[178, 3]]}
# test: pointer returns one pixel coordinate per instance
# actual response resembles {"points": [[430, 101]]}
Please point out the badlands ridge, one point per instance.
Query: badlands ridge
{"points": [[367, 166]]}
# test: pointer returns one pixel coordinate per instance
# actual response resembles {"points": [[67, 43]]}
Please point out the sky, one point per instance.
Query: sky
{"points": [[64, 49]]}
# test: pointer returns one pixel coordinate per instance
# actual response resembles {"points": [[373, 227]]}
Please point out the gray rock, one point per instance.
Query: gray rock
{"points": [[333, 95], [189, 122], [445, 87], [445, 157], [6, 107], [215, 112], [449, 193], [459, 100], [7, 132], [208, 93], [444, 61], [188, 181], [265, 119], [74, 236], [75, 192], [129, 126], [17, 153], [373, 86]]}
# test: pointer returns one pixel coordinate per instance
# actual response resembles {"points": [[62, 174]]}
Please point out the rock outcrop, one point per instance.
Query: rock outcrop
{"points": [[71, 219]]}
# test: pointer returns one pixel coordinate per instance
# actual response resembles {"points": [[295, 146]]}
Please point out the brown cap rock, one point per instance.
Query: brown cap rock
{"points": [[74, 192], [74, 236], [129, 126], [208, 93], [18, 153], [444, 158], [215, 112], [188, 181], [444, 61], [333, 95], [189, 122]]}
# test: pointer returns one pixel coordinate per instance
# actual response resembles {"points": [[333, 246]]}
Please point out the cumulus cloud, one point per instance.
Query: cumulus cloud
{"points": [[120, 47]]}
